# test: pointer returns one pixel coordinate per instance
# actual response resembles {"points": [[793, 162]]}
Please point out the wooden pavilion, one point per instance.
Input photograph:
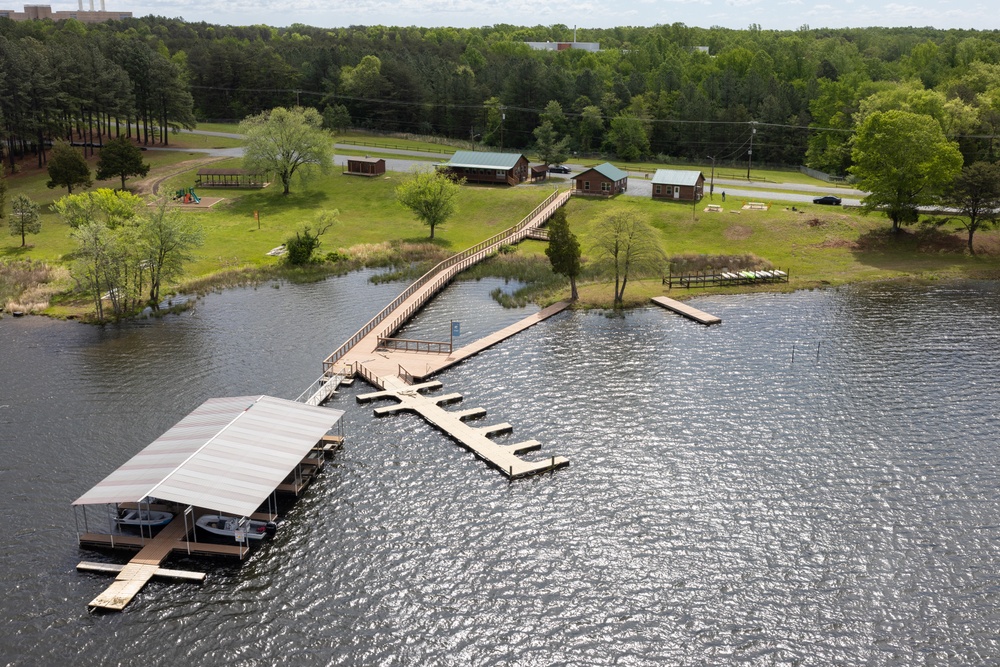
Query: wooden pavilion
{"points": [[229, 178]]}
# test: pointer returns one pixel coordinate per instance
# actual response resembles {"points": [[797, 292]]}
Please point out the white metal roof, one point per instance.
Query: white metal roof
{"points": [[676, 177], [229, 455]]}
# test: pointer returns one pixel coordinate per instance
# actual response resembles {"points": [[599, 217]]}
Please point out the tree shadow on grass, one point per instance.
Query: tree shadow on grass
{"points": [[884, 249], [15, 252], [268, 202]]}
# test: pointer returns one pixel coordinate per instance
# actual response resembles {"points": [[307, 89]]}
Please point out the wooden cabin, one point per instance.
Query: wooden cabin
{"points": [[678, 185], [603, 180], [484, 167]]}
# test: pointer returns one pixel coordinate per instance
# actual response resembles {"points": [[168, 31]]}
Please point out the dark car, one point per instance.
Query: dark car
{"points": [[829, 200], [558, 169]]}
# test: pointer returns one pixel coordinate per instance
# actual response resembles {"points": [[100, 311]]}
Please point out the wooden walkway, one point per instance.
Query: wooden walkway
{"points": [[361, 347], [686, 310], [504, 458], [143, 566]]}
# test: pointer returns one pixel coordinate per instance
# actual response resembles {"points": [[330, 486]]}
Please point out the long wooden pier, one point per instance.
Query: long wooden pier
{"points": [[392, 365], [504, 458]]}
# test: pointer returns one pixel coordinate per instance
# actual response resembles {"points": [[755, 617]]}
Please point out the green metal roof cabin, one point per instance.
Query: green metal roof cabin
{"points": [[604, 179]]}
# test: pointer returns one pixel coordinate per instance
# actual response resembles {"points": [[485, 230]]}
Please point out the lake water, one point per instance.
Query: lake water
{"points": [[726, 502]]}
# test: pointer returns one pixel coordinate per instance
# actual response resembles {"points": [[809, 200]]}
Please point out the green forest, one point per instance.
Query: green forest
{"points": [[670, 92]]}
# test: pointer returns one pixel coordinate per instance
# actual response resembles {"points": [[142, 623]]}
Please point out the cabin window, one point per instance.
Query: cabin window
{"points": [[659, 189], [605, 187], [586, 185]]}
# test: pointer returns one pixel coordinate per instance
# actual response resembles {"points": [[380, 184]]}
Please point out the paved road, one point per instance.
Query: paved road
{"points": [[637, 187]]}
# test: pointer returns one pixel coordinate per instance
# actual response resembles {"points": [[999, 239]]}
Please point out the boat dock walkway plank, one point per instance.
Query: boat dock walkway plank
{"points": [[503, 457], [418, 366], [145, 565], [686, 310]]}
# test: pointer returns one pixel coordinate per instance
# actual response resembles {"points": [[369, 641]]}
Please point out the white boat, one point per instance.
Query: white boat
{"points": [[146, 518], [227, 526]]}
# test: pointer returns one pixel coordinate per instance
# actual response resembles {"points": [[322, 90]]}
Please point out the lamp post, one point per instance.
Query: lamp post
{"points": [[753, 131]]}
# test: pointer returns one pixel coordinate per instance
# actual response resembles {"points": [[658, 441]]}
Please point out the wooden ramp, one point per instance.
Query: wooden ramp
{"points": [[686, 310], [362, 347], [503, 457]]}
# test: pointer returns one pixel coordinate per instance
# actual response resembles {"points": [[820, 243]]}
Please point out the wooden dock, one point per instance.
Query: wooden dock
{"points": [[686, 310], [363, 345], [505, 458]]}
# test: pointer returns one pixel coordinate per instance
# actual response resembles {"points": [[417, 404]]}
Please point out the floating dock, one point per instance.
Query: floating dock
{"points": [[505, 458], [686, 310]]}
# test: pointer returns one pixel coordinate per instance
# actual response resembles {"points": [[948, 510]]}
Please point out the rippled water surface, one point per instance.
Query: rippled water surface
{"points": [[813, 482]]}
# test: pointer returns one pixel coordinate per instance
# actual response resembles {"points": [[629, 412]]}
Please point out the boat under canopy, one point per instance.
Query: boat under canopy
{"points": [[228, 455]]}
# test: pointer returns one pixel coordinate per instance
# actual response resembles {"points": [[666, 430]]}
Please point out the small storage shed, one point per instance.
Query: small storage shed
{"points": [[482, 167], [678, 185], [604, 179], [539, 173], [365, 166]]}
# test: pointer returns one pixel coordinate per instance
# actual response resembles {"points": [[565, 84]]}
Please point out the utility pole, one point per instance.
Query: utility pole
{"points": [[753, 131], [711, 187], [503, 117]]}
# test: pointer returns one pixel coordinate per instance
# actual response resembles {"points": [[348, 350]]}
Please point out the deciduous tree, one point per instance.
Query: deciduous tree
{"points": [[976, 193], [563, 250], [628, 136], [430, 195], [285, 142], [904, 161], [168, 236], [630, 246], [120, 157], [110, 207], [67, 168]]}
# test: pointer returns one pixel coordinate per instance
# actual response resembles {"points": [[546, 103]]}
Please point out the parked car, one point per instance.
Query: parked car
{"points": [[558, 169], [829, 200]]}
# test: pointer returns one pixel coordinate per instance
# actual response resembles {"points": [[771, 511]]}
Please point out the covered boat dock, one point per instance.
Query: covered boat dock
{"points": [[227, 457]]}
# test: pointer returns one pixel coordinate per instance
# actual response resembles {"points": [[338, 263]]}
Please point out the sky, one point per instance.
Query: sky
{"points": [[738, 14]]}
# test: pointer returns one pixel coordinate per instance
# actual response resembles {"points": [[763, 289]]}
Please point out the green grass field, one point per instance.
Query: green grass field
{"points": [[818, 245]]}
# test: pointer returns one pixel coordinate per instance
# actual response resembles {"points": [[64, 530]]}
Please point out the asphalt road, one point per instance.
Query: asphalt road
{"points": [[794, 193]]}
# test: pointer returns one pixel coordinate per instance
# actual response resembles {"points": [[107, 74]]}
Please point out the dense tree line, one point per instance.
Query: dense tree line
{"points": [[86, 84], [665, 90]]}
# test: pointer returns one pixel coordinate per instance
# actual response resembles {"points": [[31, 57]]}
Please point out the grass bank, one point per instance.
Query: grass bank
{"points": [[817, 245]]}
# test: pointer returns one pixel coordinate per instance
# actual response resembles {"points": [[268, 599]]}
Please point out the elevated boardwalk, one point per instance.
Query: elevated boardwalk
{"points": [[504, 458], [361, 347], [687, 311], [392, 364]]}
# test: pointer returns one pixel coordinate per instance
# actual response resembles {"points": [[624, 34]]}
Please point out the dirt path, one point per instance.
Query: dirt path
{"points": [[151, 184]]}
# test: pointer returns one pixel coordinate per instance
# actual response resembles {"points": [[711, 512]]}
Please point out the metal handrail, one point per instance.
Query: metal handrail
{"points": [[435, 272]]}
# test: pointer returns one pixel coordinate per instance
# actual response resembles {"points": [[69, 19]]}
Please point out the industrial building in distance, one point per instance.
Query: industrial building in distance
{"points": [[40, 12]]}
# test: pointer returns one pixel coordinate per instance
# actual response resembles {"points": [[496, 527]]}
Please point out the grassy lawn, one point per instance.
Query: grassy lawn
{"points": [[818, 245]]}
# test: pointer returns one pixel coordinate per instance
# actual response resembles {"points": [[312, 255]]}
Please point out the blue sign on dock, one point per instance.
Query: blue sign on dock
{"points": [[456, 329]]}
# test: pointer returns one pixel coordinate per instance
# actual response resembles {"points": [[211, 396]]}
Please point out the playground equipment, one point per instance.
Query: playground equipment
{"points": [[187, 196]]}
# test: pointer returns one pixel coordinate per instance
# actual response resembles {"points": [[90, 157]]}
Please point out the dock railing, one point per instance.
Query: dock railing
{"points": [[438, 277]]}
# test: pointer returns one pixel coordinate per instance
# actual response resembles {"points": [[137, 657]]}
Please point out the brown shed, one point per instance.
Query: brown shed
{"points": [[604, 180], [365, 166], [678, 185]]}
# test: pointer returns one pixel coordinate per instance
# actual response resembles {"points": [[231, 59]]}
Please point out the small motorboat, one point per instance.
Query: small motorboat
{"points": [[227, 526], [146, 518]]}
